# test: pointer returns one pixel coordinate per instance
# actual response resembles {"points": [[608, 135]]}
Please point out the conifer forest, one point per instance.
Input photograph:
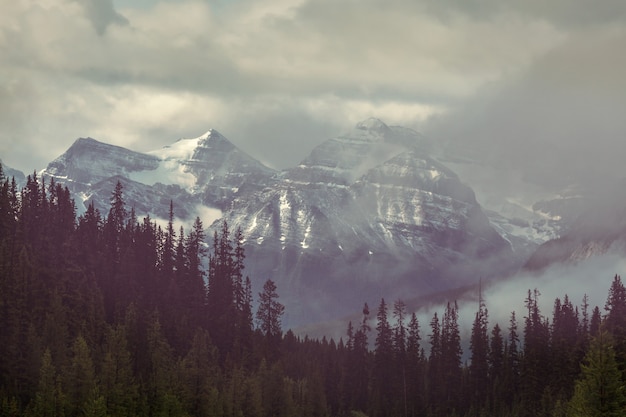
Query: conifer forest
{"points": [[106, 314]]}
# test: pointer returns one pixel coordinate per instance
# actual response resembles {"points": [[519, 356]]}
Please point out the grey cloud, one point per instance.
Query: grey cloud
{"points": [[570, 14], [102, 14], [281, 137], [561, 122], [364, 52], [19, 141]]}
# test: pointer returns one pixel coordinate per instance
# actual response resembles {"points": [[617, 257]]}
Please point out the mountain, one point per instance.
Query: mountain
{"points": [[365, 215], [368, 214], [20, 178], [525, 212], [206, 171], [600, 227]]}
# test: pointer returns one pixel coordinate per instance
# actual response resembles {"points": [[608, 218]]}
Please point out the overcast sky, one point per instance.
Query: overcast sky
{"points": [[517, 81]]}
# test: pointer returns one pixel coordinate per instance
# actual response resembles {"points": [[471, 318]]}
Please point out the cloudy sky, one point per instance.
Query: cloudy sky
{"points": [[513, 80]]}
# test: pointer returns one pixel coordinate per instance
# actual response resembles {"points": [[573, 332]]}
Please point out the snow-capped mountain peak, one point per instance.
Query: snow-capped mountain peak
{"points": [[183, 149], [89, 161], [363, 206], [373, 125]]}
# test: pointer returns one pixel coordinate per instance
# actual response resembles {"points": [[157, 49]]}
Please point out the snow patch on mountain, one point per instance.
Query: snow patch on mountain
{"points": [[168, 172], [172, 167], [181, 150]]}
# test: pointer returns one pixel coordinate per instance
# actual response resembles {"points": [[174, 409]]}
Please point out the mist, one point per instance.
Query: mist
{"points": [[554, 124]]}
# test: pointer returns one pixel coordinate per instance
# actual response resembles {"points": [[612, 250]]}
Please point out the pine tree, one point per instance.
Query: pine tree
{"points": [[600, 392], [200, 372], [119, 387], [269, 316], [270, 310], [564, 348], [80, 380], [496, 370], [161, 385], [415, 365], [451, 353], [479, 368], [220, 293], [116, 221], [383, 363], [48, 401], [584, 323], [168, 252], [595, 323], [615, 321], [356, 383], [400, 355], [193, 288], [436, 387], [535, 363]]}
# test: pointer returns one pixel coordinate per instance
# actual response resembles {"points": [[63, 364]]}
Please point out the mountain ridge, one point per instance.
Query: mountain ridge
{"points": [[368, 213]]}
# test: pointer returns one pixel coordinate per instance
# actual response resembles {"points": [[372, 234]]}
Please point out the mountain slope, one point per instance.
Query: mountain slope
{"points": [[600, 228], [204, 171], [20, 178], [367, 214]]}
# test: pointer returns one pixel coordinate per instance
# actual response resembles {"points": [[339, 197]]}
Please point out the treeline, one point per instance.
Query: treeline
{"points": [[115, 316]]}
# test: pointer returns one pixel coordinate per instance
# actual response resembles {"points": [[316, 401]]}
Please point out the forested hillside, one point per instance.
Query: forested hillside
{"points": [[106, 314]]}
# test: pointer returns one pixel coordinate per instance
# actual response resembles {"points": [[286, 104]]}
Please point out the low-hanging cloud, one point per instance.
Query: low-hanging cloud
{"points": [[591, 277], [557, 123]]}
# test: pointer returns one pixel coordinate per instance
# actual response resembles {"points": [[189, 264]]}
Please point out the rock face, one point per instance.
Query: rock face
{"points": [[599, 227], [88, 162], [11, 173], [368, 214], [204, 171]]}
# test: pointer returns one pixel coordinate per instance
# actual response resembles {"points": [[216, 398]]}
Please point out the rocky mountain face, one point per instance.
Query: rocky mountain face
{"points": [[367, 214], [600, 227], [20, 178], [203, 171]]}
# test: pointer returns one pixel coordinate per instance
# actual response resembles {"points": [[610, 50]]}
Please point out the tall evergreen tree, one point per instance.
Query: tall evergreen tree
{"points": [[360, 363], [615, 321], [383, 390], [451, 353], [192, 288], [601, 392], [479, 367], [168, 253], [80, 379], [200, 373], [435, 367], [119, 387], [564, 348], [596, 322], [220, 293], [496, 370], [270, 310], [49, 400], [415, 368], [535, 363], [269, 316]]}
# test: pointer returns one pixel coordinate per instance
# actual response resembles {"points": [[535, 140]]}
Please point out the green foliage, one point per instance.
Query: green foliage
{"points": [[601, 390], [80, 382], [118, 381]]}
